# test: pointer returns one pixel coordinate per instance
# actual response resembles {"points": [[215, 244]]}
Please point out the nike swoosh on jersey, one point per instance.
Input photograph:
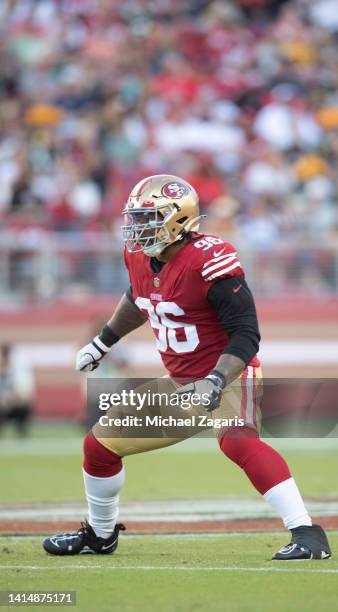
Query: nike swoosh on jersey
{"points": [[236, 289], [219, 252]]}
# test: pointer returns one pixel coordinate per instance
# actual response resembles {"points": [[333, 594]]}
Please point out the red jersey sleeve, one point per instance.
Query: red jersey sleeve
{"points": [[220, 262]]}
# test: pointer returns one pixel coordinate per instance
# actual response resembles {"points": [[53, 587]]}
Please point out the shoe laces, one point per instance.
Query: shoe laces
{"points": [[298, 535], [298, 532], [86, 528]]}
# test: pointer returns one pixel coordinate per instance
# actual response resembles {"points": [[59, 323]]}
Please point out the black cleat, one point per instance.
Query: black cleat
{"points": [[82, 541], [306, 543]]}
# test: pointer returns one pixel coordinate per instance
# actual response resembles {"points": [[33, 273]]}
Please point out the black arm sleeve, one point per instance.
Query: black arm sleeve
{"points": [[236, 312]]}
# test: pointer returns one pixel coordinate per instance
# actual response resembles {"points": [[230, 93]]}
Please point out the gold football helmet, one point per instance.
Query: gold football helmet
{"points": [[161, 209]]}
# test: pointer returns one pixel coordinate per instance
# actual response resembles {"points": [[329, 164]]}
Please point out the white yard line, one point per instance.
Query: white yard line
{"points": [[170, 536], [187, 568], [182, 511], [165, 536]]}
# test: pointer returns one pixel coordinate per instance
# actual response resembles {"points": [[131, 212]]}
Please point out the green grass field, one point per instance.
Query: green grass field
{"points": [[173, 573], [177, 574]]}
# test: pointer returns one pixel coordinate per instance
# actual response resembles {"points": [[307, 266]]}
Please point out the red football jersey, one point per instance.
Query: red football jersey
{"points": [[188, 335]]}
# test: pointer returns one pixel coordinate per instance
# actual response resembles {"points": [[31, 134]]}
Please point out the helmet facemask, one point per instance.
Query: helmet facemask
{"points": [[161, 210], [145, 229]]}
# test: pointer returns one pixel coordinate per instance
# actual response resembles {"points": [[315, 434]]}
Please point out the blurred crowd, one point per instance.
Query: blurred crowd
{"points": [[239, 97]]}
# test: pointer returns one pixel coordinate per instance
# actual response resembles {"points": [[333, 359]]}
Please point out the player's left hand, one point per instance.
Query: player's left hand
{"points": [[207, 391]]}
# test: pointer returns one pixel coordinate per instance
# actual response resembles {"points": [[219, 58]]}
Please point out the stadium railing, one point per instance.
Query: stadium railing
{"points": [[42, 265]]}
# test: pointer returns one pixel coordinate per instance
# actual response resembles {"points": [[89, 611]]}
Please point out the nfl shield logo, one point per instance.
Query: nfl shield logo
{"points": [[156, 281]]}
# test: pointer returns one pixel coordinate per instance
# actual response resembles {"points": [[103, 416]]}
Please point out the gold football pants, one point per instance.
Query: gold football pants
{"points": [[239, 404]]}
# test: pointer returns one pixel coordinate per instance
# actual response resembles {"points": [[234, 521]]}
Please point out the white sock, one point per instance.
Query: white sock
{"points": [[103, 501], [287, 502]]}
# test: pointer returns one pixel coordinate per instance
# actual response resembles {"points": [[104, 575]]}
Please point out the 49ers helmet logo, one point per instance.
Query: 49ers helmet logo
{"points": [[174, 190]]}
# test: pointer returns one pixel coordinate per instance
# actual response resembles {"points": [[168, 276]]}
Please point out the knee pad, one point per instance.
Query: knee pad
{"points": [[98, 460]]}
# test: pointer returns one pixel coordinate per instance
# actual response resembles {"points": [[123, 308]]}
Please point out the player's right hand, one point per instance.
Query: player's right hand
{"points": [[88, 358]]}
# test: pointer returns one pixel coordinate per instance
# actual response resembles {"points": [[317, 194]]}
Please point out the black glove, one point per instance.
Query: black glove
{"points": [[207, 391]]}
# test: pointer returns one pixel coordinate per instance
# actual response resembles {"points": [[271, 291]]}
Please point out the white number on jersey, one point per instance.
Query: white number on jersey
{"points": [[207, 243], [167, 327]]}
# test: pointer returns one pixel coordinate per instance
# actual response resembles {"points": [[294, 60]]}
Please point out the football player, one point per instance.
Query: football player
{"points": [[191, 287]]}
